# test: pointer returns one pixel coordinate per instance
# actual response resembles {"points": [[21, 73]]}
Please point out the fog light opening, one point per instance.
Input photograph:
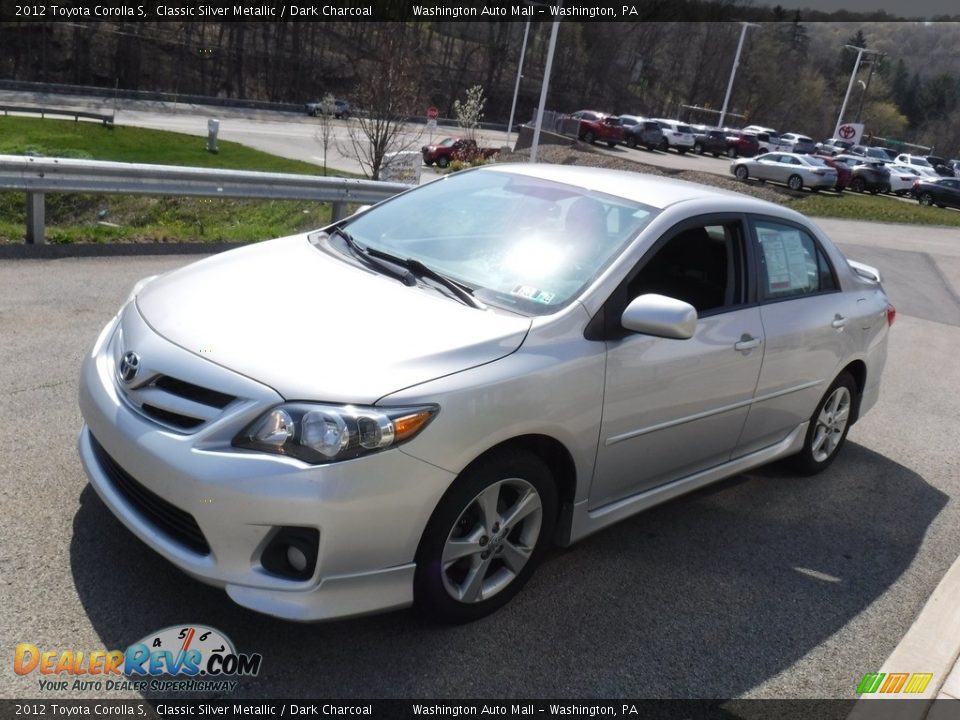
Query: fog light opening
{"points": [[292, 553]]}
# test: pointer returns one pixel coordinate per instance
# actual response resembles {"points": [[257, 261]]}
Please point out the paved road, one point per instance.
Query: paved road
{"points": [[765, 585]]}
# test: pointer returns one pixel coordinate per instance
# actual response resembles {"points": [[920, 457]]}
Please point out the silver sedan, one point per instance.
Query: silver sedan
{"points": [[412, 404], [794, 170]]}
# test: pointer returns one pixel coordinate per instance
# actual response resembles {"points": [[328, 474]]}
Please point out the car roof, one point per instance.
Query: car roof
{"points": [[652, 190]]}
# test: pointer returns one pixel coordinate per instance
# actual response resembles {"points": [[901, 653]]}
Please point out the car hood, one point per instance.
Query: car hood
{"points": [[314, 327]]}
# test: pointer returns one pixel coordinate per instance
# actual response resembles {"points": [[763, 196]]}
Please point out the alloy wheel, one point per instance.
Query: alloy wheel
{"points": [[831, 424], [492, 540]]}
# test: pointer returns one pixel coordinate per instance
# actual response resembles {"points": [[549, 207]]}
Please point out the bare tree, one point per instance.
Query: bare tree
{"points": [[387, 95], [324, 133]]}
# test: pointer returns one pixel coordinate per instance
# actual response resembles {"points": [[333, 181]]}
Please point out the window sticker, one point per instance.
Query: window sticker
{"points": [[530, 293], [786, 259]]}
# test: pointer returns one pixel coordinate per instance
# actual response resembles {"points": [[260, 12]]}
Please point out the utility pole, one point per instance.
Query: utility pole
{"points": [[733, 71], [516, 88], [543, 89], [866, 87], [853, 76]]}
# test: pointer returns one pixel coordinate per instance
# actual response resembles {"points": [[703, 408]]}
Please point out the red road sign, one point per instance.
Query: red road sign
{"points": [[432, 113]]}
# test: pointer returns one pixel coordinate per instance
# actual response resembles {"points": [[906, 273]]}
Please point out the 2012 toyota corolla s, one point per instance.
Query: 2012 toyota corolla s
{"points": [[410, 405]]}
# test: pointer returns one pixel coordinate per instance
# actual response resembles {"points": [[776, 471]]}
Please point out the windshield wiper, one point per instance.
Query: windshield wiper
{"points": [[394, 270], [461, 291], [403, 269]]}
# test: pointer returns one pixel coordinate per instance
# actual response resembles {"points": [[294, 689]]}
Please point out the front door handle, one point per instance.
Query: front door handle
{"points": [[747, 342], [838, 321]]}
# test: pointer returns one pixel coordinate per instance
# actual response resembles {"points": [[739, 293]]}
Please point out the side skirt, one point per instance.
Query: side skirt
{"points": [[577, 522]]}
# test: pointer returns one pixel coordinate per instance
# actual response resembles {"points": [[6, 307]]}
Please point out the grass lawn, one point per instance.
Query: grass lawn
{"points": [[873, 208], [115, 218]]}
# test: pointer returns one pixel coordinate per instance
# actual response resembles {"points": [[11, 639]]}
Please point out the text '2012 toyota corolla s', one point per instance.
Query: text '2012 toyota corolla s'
{"points": [[410, 405]]}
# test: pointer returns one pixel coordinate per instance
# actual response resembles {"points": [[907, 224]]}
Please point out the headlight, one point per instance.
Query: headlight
{"points": [[320, 434]]}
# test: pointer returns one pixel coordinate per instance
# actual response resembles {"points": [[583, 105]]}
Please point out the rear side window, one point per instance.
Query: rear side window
{"points": [[792, 263]]}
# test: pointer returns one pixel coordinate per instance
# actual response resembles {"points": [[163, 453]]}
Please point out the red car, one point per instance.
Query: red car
{"points": [[449, 149], [741, 144], [590, 126], [844, 174]]}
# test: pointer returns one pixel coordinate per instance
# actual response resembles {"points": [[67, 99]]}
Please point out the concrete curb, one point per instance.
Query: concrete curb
{"points": [[931, 645], [54, 252]]}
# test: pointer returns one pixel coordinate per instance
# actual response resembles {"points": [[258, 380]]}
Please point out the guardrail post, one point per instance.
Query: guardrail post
{"points": [[338, 211], [36, 234]]}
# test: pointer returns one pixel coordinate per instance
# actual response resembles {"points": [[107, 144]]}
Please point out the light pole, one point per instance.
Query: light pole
{"points": [[853, 76], [516, 88], [733, 71], [543, 90], [866, 85]]}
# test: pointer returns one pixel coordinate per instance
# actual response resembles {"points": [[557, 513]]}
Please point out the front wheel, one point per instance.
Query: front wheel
{"points": [[795, 182], [926, 199], [828, 427], [589, 137], [631, 141], [731, 152], [858, 185], [486, 537], [698, 149], [442, 161], [741, 172]]}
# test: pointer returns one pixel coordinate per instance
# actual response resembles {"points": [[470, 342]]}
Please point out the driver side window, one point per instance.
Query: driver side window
{"points": [[701, 265]]}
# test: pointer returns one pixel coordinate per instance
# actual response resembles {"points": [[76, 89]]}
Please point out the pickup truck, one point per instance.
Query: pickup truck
{"points": [[449, 149]]}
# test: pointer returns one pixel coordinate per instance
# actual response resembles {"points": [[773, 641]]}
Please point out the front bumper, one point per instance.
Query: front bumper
{"points": [[369, 512]]}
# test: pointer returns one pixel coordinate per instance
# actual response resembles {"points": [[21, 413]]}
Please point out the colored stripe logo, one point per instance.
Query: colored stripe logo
{"points": [[889, 683]]}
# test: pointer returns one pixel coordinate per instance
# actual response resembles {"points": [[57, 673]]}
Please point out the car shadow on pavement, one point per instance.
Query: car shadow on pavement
{"points": [[706, 596]]}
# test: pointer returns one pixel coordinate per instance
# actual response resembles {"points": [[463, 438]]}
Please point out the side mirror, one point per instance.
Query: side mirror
{"points": [[660, 316]]}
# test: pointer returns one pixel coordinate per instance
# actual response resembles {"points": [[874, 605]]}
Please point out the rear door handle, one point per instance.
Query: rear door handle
{"points": [[747, 342], [838, 321]]}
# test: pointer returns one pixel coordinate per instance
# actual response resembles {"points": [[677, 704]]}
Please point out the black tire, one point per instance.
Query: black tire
{"points": [[874, 190], [611, 143], [631, 141], [681, 150], [795, 182], [589, 137], [442, 161], [664, 145], [651, 148], [926, 199], [716, 154], [698, 148], [814, 189], [741, 172], [731, 152], [900, 193], [824, 427], [459, 515], [858, 185]]}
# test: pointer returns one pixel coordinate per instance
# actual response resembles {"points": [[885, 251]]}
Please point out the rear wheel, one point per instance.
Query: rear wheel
{"points": [[731, 152], [442, 161], [631, 141], [857, 185], [926, 199], [589, 137], [828, 427], [486, 537], [698, 148], [795, 182], [664, 145], [741, 172]]}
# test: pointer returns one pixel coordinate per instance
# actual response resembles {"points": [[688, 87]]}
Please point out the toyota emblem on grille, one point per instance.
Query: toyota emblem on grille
{"points": [[129, 366]]}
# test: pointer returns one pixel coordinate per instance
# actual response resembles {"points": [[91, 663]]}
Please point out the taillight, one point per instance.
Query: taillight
{"points": [[891, 314]]}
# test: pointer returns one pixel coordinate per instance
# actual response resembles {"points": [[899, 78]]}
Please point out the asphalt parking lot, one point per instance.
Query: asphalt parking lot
{"points": [[765, 585]]}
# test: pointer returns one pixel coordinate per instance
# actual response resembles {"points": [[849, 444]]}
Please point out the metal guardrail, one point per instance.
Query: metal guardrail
{"points": [[107, 120], [39, 176]]}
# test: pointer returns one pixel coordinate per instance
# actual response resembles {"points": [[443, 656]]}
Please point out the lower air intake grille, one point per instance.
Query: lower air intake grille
{"points": [[169, 519]]}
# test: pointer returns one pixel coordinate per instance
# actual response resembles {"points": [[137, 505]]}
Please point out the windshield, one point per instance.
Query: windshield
{"points": [[522, 243]]}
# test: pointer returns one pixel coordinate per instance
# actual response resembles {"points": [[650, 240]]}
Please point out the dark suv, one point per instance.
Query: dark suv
{"points": [[710, 141], [639, 131]]}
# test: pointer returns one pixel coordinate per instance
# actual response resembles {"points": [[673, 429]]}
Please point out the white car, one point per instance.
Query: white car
{"points": [[413, 404], [768, 139], [919, 162], [676, 135], [902, 177]]}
